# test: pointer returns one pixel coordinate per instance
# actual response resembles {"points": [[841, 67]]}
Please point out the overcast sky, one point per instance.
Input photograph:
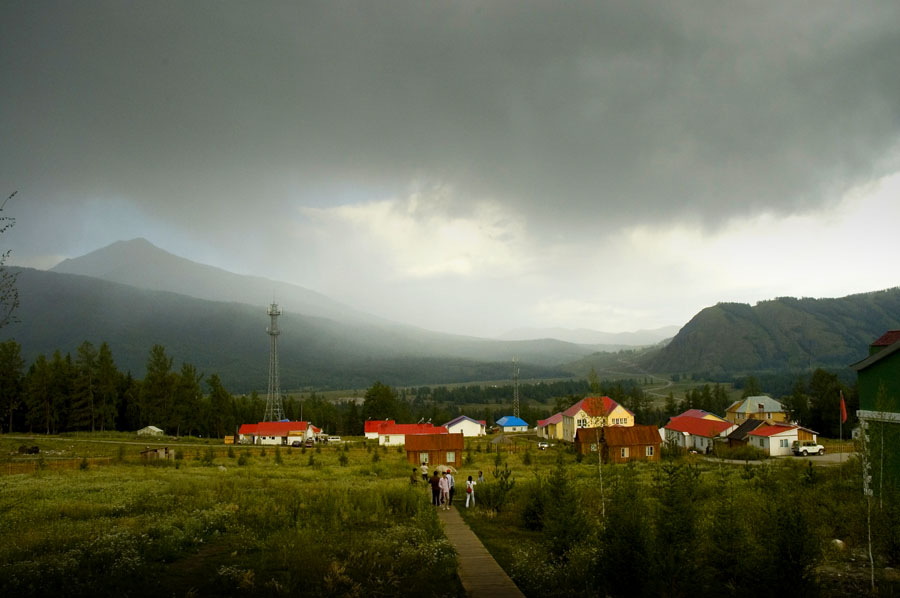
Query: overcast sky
{"points": [[469, 167]]}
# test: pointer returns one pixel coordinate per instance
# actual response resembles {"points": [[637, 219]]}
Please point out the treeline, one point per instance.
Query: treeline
{"points": [[87, 392]]}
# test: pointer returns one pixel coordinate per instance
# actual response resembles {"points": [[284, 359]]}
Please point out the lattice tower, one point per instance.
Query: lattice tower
{"points": [[274, 406], [516, 387]]}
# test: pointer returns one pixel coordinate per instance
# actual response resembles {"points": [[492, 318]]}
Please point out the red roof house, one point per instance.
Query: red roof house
{"points": [[391, 434], [695, 433], [372, 425]]}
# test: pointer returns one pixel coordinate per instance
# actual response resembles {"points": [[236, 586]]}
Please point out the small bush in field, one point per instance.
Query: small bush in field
{"points": [[243, 459], [208, 456], [400, 448], [312, 460], [469, 460], [376, 457], [262, 452], [343, 459], [319, 448], [278, 460], [526, 458], [84, 465], [230, 452]]}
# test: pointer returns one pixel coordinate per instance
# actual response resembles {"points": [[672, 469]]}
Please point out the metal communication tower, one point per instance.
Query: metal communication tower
{"points": [[516, 386], [274, 407]]}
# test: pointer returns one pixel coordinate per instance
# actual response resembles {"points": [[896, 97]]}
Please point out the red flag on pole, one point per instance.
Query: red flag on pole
{"points": [[843, 408]]}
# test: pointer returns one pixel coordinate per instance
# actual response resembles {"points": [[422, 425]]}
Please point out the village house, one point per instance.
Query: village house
{"points": [[738, 436], [466, 426], [777, 439], [694, 433], [435, 449], [277, 433], [510, 423], [371, 427], [758, 407], [391, 434], [878, 377], [620, 444], [593, 412], [551, 428]]}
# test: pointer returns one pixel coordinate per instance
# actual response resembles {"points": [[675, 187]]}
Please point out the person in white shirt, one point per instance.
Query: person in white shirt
{"points": [[470, 492], [452, 487]]}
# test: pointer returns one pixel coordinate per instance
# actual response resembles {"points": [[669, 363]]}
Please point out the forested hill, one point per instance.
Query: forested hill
{"points": [[60, 311], [781, 334]]}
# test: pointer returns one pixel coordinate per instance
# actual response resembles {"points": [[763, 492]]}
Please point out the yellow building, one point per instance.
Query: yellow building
{"points": [[759, 407], [594, 412]]}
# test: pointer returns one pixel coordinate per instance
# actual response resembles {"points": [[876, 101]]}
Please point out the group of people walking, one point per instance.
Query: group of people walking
{"points": [[443, 487]]}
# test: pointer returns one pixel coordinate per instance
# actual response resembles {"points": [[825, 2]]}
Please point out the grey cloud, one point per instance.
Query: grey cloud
{"points": [[575, 113]]}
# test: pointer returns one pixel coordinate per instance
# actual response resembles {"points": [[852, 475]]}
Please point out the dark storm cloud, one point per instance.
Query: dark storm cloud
{"points": [[205, 113]]}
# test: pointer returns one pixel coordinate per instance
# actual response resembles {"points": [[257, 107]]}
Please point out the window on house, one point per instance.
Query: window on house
{"points": [[761, 443], [451, 456], [649, 451], [623, 452], [768, 416], [784, 443], [594, 447], [582, 423], [424, 458]]}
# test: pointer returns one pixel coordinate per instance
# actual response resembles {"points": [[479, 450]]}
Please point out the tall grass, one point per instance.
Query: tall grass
{"points": [[260, 529]]}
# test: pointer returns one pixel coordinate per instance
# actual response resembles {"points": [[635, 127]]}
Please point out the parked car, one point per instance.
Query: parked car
{"points": [[310, 442], [296, 443], [334, 439], [807, 447], [542, 446]]}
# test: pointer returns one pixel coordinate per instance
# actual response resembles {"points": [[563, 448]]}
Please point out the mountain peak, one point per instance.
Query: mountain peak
{"points": [[140, 263]]}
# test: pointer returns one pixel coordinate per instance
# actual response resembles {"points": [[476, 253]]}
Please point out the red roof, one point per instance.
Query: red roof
{"points": [[372, 425], [593, 406], [248, 429], [279, 428], [888, 338], [553, 419], [771, 430], [698, 427], [392, 428]]}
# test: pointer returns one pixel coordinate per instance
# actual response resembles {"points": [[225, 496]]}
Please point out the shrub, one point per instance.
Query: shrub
{"points": [[312, 460], [319, 448], [526, 458], [278, 460], [230, 452], [343, 459], [84, 465], [262, 452], [243, 459], [375, 457]]}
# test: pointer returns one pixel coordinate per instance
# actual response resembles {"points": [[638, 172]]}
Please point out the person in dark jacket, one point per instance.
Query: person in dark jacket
{"points": [[435, 489]]}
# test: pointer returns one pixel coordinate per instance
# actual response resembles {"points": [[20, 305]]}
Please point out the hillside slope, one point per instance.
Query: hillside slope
{"points": [[781, 334], [60, 311]]}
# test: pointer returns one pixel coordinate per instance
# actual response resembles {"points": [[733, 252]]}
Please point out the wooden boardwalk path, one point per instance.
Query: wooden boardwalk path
{"points": [[479, 573]]}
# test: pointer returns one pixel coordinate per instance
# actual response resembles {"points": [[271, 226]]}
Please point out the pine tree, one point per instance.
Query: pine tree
{"points": [[82, 415], [107, 395], [157, 390], [11, 367]]}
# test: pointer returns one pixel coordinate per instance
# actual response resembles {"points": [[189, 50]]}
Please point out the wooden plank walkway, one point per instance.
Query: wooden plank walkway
{"points": [[479, 573]]}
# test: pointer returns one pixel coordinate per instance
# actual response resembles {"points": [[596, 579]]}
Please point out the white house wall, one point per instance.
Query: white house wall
{"points": [[467, 428]]}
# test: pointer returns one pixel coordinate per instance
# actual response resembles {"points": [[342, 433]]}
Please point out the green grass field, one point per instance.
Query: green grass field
{"points": [[204, 524]]}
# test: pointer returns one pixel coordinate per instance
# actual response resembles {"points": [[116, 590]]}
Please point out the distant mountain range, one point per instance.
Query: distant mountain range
{"points": [[60, 311], [778, 335], [134, 295]]}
